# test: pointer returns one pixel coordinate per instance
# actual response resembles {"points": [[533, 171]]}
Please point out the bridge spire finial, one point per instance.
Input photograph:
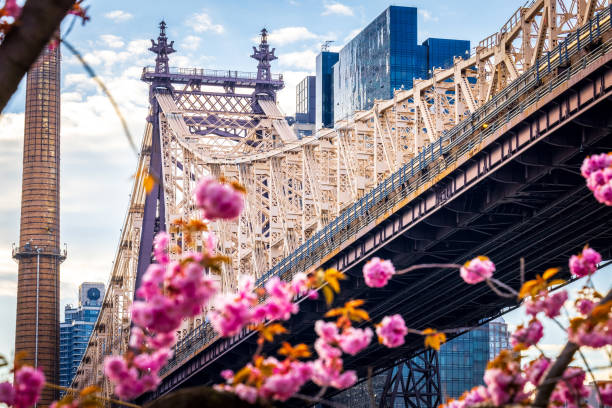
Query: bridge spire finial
{"points": [[264, 56], [162, 49]]}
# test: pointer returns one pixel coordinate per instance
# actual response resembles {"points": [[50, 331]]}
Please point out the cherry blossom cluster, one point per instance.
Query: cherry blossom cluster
{"points": [[597, 170], [391, 331], [549, 304], [377, 272], [477, 270], [584, 263], [26, 389], [525, 337], [219, 200], [268, 378], [171, 291]]}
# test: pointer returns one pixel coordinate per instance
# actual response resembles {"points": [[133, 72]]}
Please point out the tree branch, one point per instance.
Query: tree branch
{"points": [[558, 368], [39, 20]]}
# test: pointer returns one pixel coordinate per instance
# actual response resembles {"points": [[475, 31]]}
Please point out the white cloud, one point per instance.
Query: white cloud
{"points": [[352, 34], [300, 59], [337, 8], [427, 16], [202, 22], [112, 41], [286, 97], [288, 35], [191, 42], [118, 15]]}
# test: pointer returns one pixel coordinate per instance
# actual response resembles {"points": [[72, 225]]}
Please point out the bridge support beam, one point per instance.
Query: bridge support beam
{"points": [[416, 382]]}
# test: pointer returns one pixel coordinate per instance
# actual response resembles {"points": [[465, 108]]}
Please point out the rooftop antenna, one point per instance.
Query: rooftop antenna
{"points": [[326, 44]]}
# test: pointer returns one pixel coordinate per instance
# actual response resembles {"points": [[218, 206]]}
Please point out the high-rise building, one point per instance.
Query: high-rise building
{"points": [[38, 253], [385, 57], [324, 92], [76, 329], [305, 103], [463, 360]]}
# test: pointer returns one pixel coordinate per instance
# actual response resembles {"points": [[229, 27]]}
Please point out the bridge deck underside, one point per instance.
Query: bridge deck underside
{"points": [[530, 202]]}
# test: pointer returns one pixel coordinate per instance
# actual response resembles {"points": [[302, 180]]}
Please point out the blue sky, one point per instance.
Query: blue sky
{"points": [[96, 160]]}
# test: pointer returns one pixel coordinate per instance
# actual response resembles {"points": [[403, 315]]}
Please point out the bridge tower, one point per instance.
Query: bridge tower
{"points": [[38, 253], [265, 56]]}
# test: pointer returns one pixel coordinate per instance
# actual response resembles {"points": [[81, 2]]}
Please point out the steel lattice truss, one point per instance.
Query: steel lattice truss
{"points": [[296, 186]]}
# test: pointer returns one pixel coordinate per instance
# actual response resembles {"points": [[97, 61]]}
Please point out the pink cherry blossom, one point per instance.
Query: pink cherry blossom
{"points": [[606, 393], [597, 170], [12, 9], [229, 316], [571, 390], [550, 304], [246, 393], [587, 334], [477, 270], [160, 247], [377, 272], [585, 306], [328, 331], [286, 381], [536, 369], [352, 340], [28, 385], [585, 263], [218, 200], [392, 330], [528, 336], [328, 373], [7, 393], [325, 350], [505, 386], [476, 395]]}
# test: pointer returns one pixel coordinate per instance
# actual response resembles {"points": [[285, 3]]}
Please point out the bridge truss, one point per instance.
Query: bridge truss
{"points": [[203, 122]]}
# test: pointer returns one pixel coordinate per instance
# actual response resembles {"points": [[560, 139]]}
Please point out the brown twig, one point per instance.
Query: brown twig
{"points": [[426, 266], [35, 27], [558, 368]]}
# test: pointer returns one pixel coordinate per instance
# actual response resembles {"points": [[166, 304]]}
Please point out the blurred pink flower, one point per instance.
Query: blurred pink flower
{"points": [[477, 270], [218, 200], [392, 330], [377, 272], [352, 340], [585, 263], [527, 336]]}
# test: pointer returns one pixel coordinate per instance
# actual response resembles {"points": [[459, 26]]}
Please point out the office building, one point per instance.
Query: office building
{"points": [[324, 92], [76, 329], [305, 102], [385, 57]]}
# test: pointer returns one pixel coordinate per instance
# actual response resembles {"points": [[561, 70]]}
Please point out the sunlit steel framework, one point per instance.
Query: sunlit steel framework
{"points": [[297, 186]]}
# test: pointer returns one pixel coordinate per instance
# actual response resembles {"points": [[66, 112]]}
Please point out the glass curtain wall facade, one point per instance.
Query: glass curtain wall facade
{"points": [[324, 92], [385, 56], [305, 100], [76, 329], [440, 52]]}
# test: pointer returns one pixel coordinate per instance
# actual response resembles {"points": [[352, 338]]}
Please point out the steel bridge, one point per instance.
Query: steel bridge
{"points": [[483, 158]]}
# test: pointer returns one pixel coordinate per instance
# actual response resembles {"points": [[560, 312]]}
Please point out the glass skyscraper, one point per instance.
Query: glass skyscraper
{"points": [[305, 100], [383, 57], [324, 92], [77, 327]]}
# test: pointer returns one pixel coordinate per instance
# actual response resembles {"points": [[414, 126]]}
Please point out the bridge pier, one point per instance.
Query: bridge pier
{"points": [[416, 382]]}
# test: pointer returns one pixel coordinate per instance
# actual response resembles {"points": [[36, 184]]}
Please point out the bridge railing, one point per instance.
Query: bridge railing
{"points": [[212, 73], [435, 158]]}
